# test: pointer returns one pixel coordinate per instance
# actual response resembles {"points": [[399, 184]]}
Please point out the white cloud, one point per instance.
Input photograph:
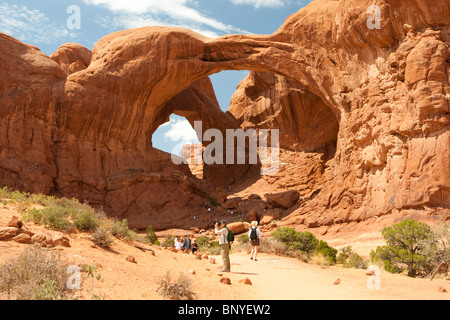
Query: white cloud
{"points": [[181, 131], [130, 21], [31, 26], [180, 13], [260, 3]]}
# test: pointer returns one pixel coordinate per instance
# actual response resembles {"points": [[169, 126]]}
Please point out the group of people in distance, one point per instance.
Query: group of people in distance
{"points": [[221, 229], [186, 244]]}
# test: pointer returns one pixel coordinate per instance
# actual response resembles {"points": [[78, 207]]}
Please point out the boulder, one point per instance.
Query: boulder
{"points": [[15, 222], [7, 233], [50, 238], [225, 280], [232, 203], [22, 238], [284, 199], [238, 227], [131, 259], [246, 281]]}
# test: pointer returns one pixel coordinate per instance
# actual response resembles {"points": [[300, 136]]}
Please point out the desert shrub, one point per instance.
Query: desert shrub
{"points": [[356, 261], [85, 220], [203, 241], [176, 290], [437, 247], [150, 234], [54, 217], [35, 275], [213, 202], [285, 235], [303, 241], [273, 246], [302, 245], [344, 254], [243, 239], [102, 237], [120, 229], [64, 215], [15, 196], [169, 242], [328, 252], [408, 246], [350, 259]]}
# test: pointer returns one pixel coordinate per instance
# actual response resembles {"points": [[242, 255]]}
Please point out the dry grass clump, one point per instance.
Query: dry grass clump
{"points": [[36, 274], [179, 290]]}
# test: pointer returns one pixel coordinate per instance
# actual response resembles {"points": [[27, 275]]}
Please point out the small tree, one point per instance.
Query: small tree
{"points": [[405, 250], [151, 235]]}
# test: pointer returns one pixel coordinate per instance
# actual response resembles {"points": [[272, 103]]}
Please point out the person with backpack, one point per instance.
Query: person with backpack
{"points": [[226, 237], [186, 244], [254, 236]]}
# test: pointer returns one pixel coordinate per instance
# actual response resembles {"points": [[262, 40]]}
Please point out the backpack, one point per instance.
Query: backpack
{"points": [[253, 234], [230, 237]]}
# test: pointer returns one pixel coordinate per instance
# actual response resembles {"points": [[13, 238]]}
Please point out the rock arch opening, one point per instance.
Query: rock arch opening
{"points": [[178, 137], [308, 131]]}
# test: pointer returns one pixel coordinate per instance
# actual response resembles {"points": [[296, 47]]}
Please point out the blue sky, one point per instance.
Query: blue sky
{"points": [[48, 24]]}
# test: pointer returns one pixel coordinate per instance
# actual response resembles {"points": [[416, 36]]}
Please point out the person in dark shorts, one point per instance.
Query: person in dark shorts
{"points": [[254, 236]]}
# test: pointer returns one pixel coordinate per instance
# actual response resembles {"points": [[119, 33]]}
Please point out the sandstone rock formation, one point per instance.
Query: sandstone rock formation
{"points": [[16, 231], [363, 111]]}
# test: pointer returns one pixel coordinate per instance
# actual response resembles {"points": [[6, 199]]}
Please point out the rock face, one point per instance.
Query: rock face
{"points": [[367, 109], [72, 57]]}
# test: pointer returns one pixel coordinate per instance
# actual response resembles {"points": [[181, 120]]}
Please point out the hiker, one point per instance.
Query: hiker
{"points": [[194, 247], [255, 239], [187, 243], [178, 244], [221, 228]]}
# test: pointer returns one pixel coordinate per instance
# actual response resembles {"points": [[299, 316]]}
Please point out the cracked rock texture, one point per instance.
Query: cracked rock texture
{"points": [[363, 115]]}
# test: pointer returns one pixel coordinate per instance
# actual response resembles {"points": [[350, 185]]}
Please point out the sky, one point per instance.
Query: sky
{"points": [[47, 24]]}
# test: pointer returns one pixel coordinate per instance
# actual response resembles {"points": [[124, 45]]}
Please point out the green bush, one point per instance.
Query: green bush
{"points": [[202, 241], [169, 241], [64, 217], [120, 229], [385, 257], [356, 261], [302, 241], [243, 239], [85, 220], [344, 254], [328, 252], [407, 245], [350, 259], [303, 245], [151, 235], [54, 217]]}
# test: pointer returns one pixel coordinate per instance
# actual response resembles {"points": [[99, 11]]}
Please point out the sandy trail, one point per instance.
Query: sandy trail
{"points": [[281, 278]]}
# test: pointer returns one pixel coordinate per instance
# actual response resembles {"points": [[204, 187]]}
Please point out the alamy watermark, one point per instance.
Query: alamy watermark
{"points": [[74, 280], [374, 21], [74, 20], [238, 147], [374, 280]]}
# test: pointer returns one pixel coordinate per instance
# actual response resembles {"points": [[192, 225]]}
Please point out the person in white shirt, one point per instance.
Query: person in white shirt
{"points": [[221, 228], [178, 244], [255, 239]]}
